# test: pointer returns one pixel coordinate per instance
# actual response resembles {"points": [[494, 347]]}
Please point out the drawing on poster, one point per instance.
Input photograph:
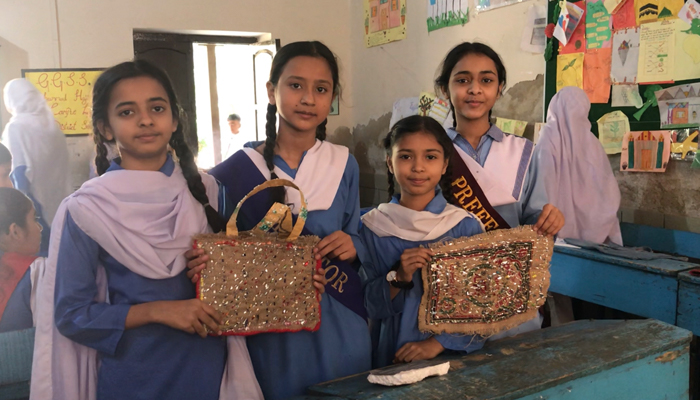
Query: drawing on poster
{"points": [[647, 151], [385, 21], [679, 106], [444, 13]]}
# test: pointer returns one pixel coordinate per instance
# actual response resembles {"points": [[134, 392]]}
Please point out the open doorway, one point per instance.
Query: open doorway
{"points": [[215, 74], [230, 80]]}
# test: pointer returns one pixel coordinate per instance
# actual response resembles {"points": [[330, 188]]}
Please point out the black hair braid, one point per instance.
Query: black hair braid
{"points": [[194, 180], [101, 160], [277, 193], [454, 116], [321, 130], [446, 183], [390, 178]]}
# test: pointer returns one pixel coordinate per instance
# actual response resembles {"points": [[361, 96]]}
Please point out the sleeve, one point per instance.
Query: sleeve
{"points": [[77, 315], [465, 343], [351, 215], [225, 204], [534, 192], [378, 301], [19, 179]]}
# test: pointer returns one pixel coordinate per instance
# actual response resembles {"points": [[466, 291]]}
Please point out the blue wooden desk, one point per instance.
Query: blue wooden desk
{"points": [[600, 360], [648, 288], [689, 302]]}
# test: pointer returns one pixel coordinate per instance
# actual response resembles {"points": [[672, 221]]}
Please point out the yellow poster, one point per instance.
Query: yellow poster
{"points": [[687, 52], [657, 42], [570, 70], [512, 126], [385, 21], [655, 10], [68, 93]]}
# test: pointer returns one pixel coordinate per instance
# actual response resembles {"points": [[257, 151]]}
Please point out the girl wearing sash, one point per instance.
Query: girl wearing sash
{"points": [[122, 295], [303, 82], [418, 153], [495, 176], [20, 239]]}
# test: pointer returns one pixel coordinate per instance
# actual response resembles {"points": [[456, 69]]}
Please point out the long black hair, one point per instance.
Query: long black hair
{"points": [[283, 56], [101, 94], [416, 124], [14, 207], [442, 82]]}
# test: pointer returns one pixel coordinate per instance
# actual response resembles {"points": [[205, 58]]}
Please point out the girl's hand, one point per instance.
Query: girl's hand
{"points": [[423, 350], [320, 281], [190, 316], [338, 244], [550, 221], [196, 262], [411, 261]]}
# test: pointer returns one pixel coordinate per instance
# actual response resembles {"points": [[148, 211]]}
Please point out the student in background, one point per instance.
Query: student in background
{"points": [[418, 153], [303, 82], [20, 238], [576, 170], [39, 152], [235, 142], [495, 175], [5, 167], [122, 237]]}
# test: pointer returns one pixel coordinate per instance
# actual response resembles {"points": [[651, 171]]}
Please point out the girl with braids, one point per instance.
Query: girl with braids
{"points": [[496, 176], [121, 291], [303, 82], [417, 156]]}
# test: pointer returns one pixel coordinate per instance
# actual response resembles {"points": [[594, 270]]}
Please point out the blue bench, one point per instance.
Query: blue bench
{"points": [[637, 359], [16, 349]]}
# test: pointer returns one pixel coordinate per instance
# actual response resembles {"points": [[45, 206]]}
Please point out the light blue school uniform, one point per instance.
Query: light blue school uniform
{"points": [[395, 321], [528, 208], [287, 363], [153, 361]]}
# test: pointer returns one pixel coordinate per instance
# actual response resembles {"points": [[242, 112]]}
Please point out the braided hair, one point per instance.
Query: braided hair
{"points": [[101, 93], [427, 125], [442, 82], [284, 55]]}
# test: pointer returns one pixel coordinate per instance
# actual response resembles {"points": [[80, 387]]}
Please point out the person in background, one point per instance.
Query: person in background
{"points": [[234, 122], [5, 166], [39, 152], [234, 142]]}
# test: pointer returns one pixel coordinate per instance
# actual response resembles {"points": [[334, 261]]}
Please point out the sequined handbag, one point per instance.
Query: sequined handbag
{"points": [[261, 281], [485, 284]]}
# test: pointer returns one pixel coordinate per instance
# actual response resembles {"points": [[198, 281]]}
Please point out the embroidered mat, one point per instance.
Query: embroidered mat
{"points": [[485, 284]]}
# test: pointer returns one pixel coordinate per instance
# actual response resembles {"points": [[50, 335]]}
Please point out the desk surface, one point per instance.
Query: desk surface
{"points": [[661, 266], [530, 363]]}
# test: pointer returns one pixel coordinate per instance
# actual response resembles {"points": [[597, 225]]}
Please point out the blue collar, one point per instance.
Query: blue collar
{"points": [[495, 133], [436, 205], [167, 168]]}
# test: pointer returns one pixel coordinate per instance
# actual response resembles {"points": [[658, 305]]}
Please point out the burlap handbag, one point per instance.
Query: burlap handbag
{"points": [[485, 284], [261, 281]]}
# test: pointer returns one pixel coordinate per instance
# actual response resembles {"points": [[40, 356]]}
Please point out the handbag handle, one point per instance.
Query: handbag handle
{"points": [[232, 228]]}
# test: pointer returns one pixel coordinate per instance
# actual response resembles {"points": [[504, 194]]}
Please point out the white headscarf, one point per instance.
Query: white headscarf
{"points": [[578, 176], [36, 141]]}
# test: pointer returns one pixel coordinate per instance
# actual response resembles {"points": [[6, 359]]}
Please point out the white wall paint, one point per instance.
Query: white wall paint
{"points": [[98, 33], [405, 68]]}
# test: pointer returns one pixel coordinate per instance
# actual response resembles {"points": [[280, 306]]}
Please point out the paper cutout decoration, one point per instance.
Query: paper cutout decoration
{"points": [[684, 144], [624, 17], [687, 62], [485, 284], [611, 6], [512, 126], [568, 20], [650, 97], [385, 21], [440, 111], [570, 70], [647, 151], [404, 108], [656, 52], [696, 161], [444, 13], [488, 5], [612, 128], [626, 96], [679, 106], [689, 11], [653, 10], [577, 41], [598, 25], [533, 39], [596, 75], [625, 56]]}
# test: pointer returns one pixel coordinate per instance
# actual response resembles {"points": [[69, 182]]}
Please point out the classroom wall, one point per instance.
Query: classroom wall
{"points": [[98, 33], [386, 73]]}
